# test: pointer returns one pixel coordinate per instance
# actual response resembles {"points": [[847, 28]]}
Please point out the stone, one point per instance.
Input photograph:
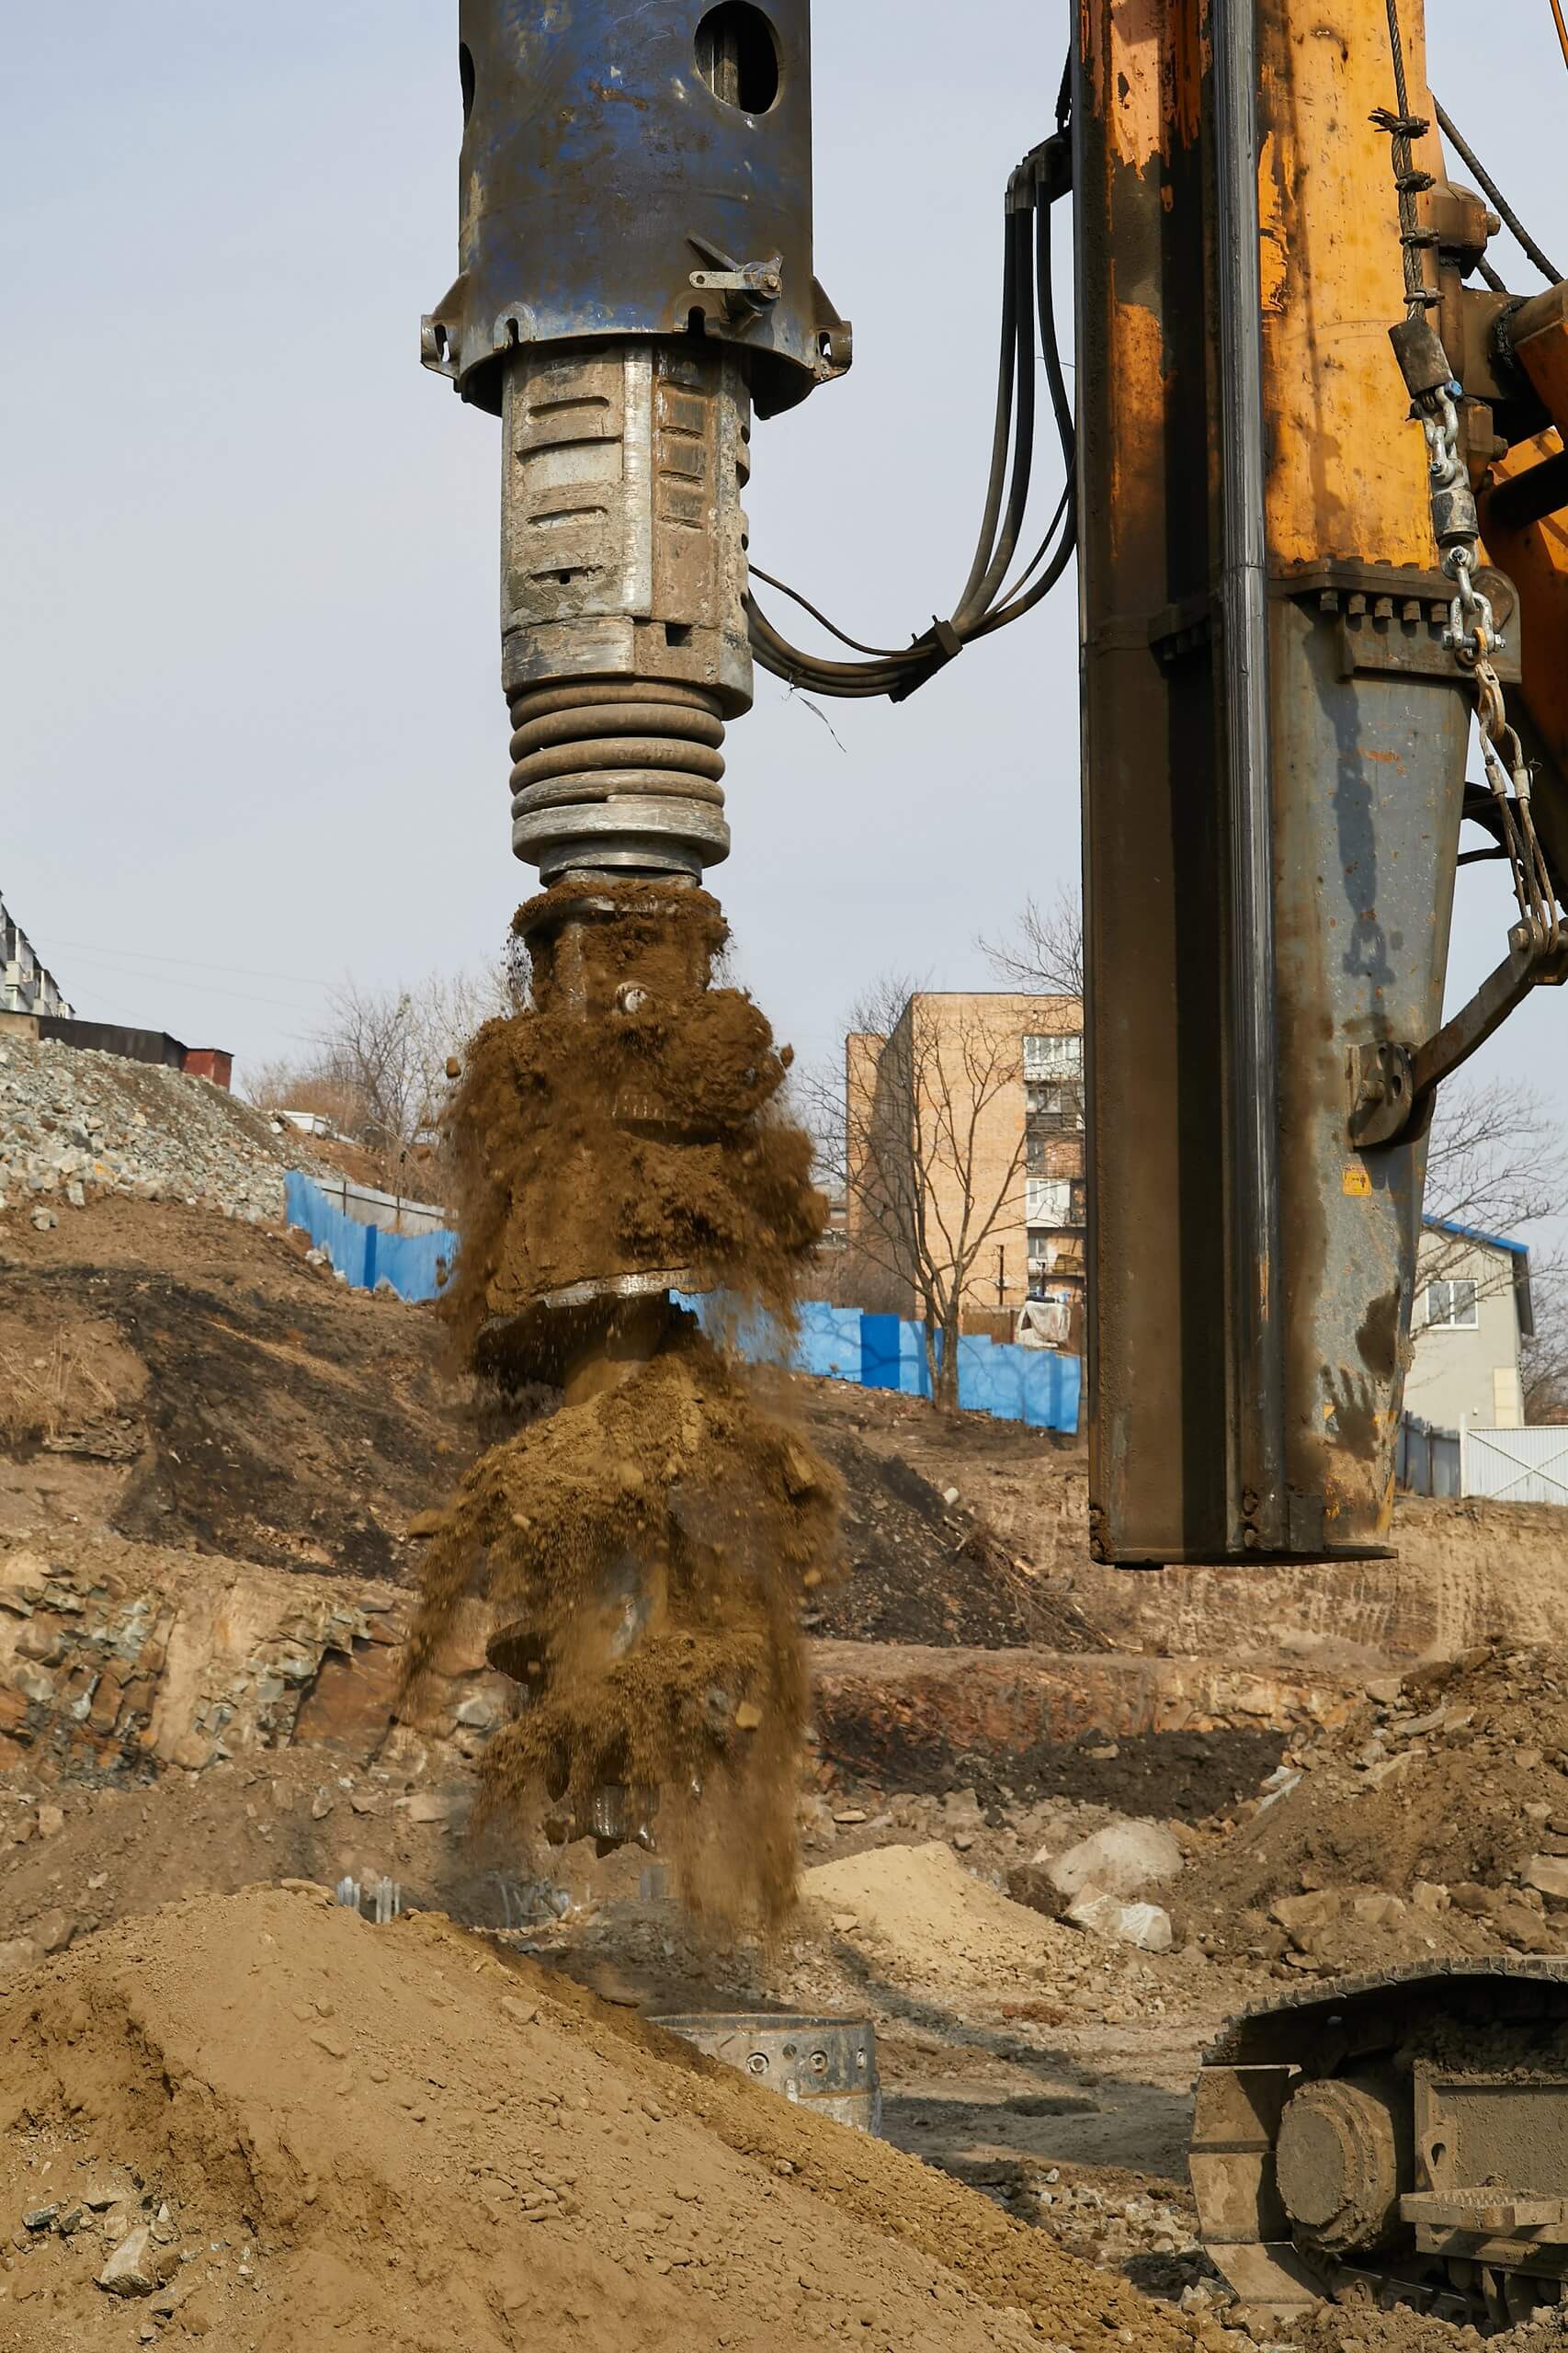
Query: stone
{"points": [[322, 1805], [427, 1806], [1427, 1896], [521, 2013], [40, 2218], [1303, 1916], [138, 2267], [1122, 1860], [44, 1220], [52, 1931], [1144, 1926], [24, 1576], [51, 1819], [1549, 1874], [1378, 1911], [20, 1952]]}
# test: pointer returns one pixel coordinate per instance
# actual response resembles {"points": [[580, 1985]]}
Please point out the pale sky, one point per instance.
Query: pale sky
{"points": [[254, 731]]}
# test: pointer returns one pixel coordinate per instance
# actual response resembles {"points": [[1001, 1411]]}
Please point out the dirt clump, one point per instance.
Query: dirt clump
{"points": [[1434, 1822], [298, 2129], [626, 1117]]}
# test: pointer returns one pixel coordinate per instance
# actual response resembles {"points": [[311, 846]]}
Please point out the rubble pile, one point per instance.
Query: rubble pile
{"points": [[75, 1125], [1434, 1822]]}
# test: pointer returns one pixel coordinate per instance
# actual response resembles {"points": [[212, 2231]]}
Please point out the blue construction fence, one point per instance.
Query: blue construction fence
{"points": [[1012, 1384], [411, 1264]]}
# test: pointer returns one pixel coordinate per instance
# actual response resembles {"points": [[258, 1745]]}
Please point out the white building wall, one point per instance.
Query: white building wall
{"points": [[1469, 1375]]}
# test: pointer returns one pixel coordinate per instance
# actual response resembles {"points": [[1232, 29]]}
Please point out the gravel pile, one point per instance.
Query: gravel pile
{"points": [[75, 1125]]}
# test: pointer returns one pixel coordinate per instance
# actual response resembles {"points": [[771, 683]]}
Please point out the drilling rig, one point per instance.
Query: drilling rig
{"points": [[1315, 481]]}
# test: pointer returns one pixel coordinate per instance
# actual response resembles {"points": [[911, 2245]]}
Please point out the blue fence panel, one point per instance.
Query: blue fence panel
{"points": [[880, 1352], [411, 1262], [831, 1342]]}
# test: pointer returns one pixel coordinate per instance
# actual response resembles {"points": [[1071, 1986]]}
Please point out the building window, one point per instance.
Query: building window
{"points": [[1450, 1307], [1054, 1057], [1048, 1202]]}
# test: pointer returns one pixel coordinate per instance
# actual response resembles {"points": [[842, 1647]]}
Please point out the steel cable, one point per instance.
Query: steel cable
{"points": [[1490, 189]]}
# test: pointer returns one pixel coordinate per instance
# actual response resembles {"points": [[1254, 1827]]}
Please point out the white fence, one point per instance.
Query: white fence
{"points": [[1515, 1466]]}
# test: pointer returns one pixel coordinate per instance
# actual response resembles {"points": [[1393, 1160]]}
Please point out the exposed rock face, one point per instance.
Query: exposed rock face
{"points": [[104, 1672]]}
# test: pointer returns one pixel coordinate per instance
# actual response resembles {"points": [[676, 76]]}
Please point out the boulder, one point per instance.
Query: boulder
{"points": [[1144, 1926], [1549, 1875], [1122, 1860]]}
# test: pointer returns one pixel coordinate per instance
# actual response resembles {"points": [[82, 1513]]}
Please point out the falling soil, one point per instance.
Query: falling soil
{"points": [[644, 1553], [674, 1506]]}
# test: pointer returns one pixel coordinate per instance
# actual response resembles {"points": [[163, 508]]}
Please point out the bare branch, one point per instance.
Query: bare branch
{"points": [[1044, 955]]}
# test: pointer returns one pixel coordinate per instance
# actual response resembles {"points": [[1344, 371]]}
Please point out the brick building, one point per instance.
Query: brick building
{"points": [[967, 1119]]}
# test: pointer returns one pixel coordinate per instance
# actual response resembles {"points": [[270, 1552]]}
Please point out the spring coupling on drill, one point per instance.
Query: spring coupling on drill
{"points": [[618, 775]]}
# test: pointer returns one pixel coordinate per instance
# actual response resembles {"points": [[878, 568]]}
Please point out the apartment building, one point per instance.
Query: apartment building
{"points": [[26, 984], [964, 1127]]}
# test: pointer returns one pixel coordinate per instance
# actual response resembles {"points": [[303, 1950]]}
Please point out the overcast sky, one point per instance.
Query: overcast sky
{"points": [[254, 734]]}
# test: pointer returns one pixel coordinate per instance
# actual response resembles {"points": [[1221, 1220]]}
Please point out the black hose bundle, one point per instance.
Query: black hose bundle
{"points": [[987, 603]]}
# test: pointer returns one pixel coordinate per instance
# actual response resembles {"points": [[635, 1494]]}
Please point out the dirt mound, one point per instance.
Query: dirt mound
{"points": [[290, 2128], [927, 1571], [1435, 1821], [927, 1920], [191, 1379]]}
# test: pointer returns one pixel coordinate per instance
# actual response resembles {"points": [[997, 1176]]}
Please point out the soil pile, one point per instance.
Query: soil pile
{"points": [[930, 1571], [194, 1380], [644, 1553], [1434, 1822], [927, 1919], [282, 2127]]}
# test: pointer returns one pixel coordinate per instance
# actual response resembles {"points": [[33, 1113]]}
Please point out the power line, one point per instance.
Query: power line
{"points": [[202, 988], [149, 955]]}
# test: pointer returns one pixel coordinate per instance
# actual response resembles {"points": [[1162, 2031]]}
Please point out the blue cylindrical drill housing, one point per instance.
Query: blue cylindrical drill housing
{"points": [[637, 168]]}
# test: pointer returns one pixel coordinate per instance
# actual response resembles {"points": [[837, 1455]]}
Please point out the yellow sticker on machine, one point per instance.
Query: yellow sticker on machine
{"points": [[1357, 1184]]}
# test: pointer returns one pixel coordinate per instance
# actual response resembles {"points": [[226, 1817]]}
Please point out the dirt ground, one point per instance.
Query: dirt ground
{"points": [[210, 1450]]}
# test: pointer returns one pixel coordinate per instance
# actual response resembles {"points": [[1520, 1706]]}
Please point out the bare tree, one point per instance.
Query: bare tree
{"points": [[1495, 1164], [1545, 1367], [1044, 954], [377, 1068], [910, 1133]]}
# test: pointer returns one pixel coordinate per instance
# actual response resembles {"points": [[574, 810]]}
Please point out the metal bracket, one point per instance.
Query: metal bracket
{"points": [[1392, 1085], [746, 286]]}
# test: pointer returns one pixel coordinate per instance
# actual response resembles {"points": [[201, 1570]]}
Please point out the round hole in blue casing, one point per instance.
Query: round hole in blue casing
{"points": [[737, 56]]}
